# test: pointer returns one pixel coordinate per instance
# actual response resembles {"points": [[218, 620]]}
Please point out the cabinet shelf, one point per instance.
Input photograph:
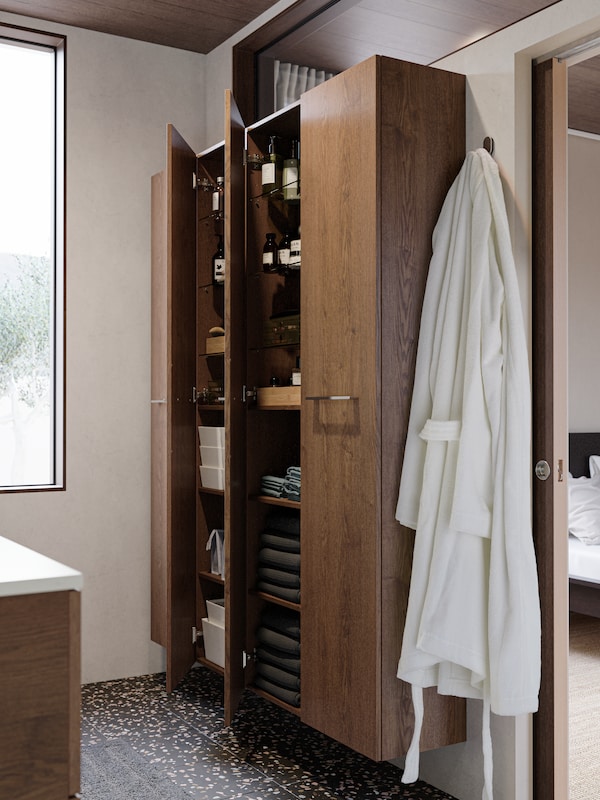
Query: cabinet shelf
{"points": [[211, 576], [211, 406], [275, 700], [275, 501], [207, 490], [210, 664], [278, 601]]}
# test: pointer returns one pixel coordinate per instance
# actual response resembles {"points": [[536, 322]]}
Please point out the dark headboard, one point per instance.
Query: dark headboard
{"points": [[581, 447]]}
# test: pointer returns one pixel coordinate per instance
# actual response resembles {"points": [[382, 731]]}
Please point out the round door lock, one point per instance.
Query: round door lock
{"points": [[542, 470]]}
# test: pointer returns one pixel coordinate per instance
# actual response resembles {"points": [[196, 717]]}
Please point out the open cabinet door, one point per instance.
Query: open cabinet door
{"points": [[173, 438], [550, 435], [235, 410]]}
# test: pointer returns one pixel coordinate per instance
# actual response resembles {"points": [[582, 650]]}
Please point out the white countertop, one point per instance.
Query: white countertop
{"points": [[23, 571]]}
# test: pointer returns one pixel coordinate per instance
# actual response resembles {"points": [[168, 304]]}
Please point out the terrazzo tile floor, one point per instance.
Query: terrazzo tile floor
{"points": [[139, 741]]}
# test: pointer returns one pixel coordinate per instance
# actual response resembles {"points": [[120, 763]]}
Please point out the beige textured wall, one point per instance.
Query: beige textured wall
{"points": [[120, 94]]}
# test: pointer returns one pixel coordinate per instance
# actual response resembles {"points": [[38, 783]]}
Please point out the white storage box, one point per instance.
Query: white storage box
{"points": [[211, 436], [216, 611], [212, 456], [212, 477], [214, 642]]}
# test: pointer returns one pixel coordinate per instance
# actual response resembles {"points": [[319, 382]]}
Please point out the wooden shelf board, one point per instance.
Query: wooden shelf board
{"points": [[275, 700], [277, 600], [211, 576], [207, 490], [211, 665], [294, 407], [275, 501], [211, 407]]}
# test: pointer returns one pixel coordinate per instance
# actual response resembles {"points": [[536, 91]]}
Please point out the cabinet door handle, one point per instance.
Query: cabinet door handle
{"points": [[332, 397], [158, 401]]}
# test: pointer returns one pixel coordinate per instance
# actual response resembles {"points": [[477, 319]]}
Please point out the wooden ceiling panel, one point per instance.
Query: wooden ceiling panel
{"points": [[197, 25], [421, 31]]}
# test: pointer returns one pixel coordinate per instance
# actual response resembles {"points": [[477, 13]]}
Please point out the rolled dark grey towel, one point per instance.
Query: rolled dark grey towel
{"points": [[282, 592], [278, 640], [289, 523], [279, 541], [289, 697], [279, 558], [278, 676], [278, 658], [279, 576], [282, 620]]}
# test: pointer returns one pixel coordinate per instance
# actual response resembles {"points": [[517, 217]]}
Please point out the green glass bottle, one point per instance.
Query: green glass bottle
{"points": [[291, 174], [271, 168]]}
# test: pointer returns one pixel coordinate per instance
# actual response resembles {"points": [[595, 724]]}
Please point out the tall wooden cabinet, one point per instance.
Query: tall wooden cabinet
{"points": [[380, 146]]}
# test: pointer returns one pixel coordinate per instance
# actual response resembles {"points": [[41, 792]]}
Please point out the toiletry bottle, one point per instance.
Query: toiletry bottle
{"points": [[269, 258], [291, 174], [218, 263], [271, 168]]}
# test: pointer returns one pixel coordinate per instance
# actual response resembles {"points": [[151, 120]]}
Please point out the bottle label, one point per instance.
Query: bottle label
{"points": [[295, 254], [290, 183], [268, 173], [283, 256], [267, 258], [219, 270]]}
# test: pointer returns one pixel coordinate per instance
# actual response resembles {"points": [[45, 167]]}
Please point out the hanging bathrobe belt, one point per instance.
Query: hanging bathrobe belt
{"points": [[436, 430], [411, 763]]}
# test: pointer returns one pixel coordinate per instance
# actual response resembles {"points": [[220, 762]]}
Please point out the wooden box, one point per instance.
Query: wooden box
{"points": [[279, 397], [215, 344]]}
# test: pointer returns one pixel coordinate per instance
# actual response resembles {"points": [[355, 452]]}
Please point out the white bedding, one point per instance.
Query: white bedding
{"points": [[584, 561]]}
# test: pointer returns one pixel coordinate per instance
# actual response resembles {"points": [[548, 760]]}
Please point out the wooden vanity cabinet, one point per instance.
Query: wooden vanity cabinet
{"points": [[380, 146]]}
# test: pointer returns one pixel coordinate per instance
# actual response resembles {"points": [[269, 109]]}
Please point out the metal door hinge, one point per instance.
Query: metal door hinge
{"points": [[196, 635], [248, 394], [253, 161], [202, 183], [246, 657]]}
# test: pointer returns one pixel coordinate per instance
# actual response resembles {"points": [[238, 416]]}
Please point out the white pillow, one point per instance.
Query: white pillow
{"points": [[584, 508], [594, 466]]}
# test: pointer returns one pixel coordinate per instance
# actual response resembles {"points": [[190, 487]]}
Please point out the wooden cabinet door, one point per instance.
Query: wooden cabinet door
{"points": [[173, 437], [235, 410], [341, 591], [381, 144]]}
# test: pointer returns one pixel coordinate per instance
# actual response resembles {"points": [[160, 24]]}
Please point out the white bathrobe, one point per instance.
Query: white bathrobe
{"points": [[473, 620]]}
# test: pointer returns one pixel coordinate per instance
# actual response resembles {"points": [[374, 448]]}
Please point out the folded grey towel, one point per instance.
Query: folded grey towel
{"points": [[278, 640], [279, 576], [282, 620], [278, 658], [279, 558], [280, 521], [289, 697], [283, 592], [278, 676], [280, 541]]}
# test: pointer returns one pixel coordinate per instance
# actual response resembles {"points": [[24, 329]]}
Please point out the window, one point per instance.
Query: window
{"points": [[31, 260]]}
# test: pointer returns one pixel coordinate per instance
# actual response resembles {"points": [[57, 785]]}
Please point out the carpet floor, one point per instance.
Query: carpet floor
{"points": [[139, 743], [584, 707]]}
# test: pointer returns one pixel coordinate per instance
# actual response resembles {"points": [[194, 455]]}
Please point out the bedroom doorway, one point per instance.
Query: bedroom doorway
{"points": [[583, 168], [550, 335]]}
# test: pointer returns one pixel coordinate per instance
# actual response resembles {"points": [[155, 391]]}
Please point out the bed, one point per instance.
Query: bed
{"points": [[584, 559]]}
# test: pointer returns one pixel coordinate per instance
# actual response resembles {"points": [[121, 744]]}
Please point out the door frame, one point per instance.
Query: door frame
{"points": [[550, 420]]}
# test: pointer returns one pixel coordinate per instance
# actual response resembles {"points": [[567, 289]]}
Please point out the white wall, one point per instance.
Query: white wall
{"points": [[120, 95], [584, 283]]}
